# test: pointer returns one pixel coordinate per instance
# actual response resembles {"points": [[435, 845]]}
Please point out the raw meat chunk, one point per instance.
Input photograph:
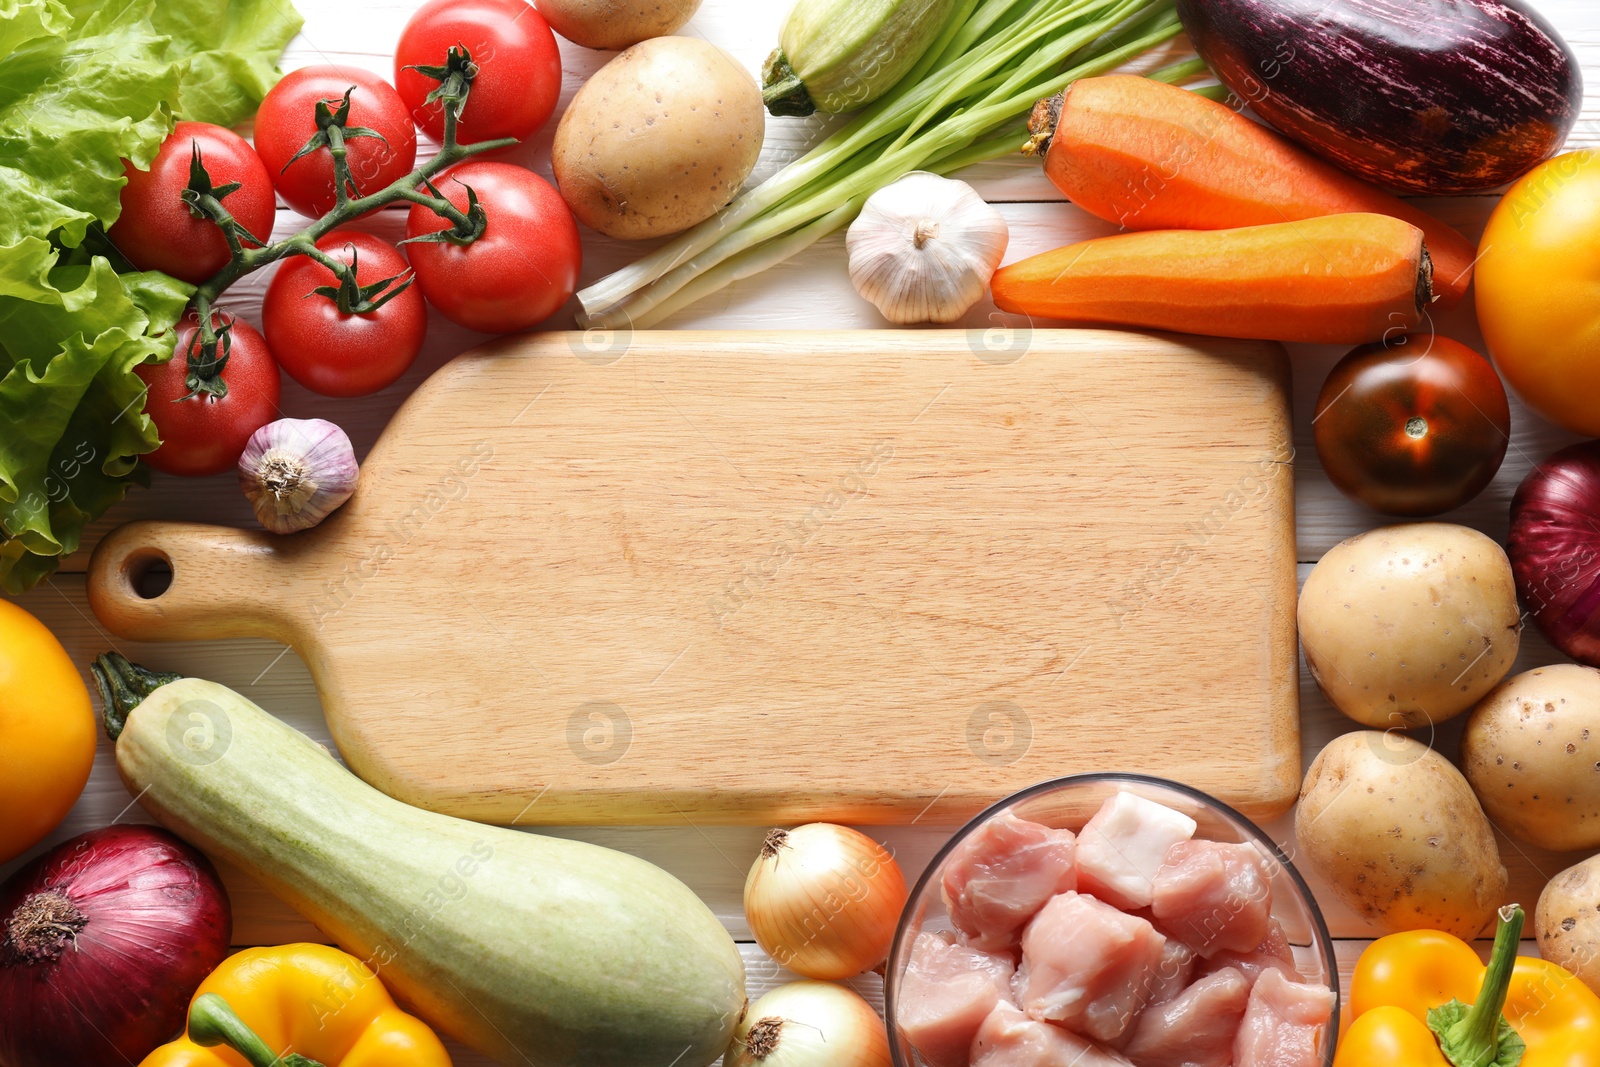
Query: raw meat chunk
{"points": [[1285, 1024], [1274, 953], [1197, 1029], [1123, 846], [1009, 1038], [1087, 966], [1214, 897], [999, 878], [947, 991], [1172, 973]]}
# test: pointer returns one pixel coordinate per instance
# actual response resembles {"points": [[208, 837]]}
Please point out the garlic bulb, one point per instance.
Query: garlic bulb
{"points": [[923, 249], [296, 471]]}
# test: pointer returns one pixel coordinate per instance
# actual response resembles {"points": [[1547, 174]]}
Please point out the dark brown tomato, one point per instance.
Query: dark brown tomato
{"points": [[1412, 426]]}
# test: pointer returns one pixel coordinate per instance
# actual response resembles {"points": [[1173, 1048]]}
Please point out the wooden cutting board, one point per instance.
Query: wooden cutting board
{"points": [[862, 576]]}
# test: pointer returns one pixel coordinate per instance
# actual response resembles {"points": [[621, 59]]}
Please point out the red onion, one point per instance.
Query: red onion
{"points": [[1555, 549], [105, 939]]}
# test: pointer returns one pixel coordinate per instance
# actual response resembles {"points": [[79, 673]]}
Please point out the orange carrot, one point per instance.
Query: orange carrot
{"points": [[1151, 156], [1343, 279]]}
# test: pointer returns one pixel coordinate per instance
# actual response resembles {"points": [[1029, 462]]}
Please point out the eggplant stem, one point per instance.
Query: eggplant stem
{"points": [[123, 687]]}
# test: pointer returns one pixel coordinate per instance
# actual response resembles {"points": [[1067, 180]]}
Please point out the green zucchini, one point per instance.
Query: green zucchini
{"points": [[839, 55], [533, 950]]}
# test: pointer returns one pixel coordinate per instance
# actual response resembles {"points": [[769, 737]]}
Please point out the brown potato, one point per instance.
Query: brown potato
{"points": [[615, 24], [1567, 921], [1408, 625], [1532, 752], [1395, 831], [659, 139]]}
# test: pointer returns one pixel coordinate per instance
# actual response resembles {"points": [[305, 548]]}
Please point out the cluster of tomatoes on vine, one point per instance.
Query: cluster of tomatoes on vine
{"points": [[490, 245]]}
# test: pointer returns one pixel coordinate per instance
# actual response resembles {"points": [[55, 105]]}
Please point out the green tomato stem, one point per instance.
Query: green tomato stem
{"points": [[346, 209], [253, 259], [339, 268], [343, 181]]}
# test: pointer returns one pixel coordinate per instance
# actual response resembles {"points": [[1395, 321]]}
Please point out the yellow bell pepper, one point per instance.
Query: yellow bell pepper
{"points": [[298, 1006], [1424, 999]]}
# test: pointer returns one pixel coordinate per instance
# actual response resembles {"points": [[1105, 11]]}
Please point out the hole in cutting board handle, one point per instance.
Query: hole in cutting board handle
{"points": [[148, 573]]}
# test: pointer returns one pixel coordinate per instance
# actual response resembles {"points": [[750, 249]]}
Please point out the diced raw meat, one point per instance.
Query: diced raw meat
{"points": [[1215, 897], [1197, 1029], [1285, 1024], [1274, 953], [945, 994], [1009, 1038], [999, 878], [1173, 972], [1087, 966], [1122, 847]]}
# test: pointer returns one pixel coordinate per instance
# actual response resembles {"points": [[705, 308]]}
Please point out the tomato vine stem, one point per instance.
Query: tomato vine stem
{"points": [[455, 77]]}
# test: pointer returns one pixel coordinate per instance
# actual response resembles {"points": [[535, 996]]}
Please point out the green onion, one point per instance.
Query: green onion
{"points": [[958, 106]]}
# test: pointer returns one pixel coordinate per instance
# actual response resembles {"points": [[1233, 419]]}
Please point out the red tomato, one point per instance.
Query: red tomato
{"points": [[328, 351], [287, 119], [519, 67], [203, 435], [156, 229], [523, 267], [1413, 426]]}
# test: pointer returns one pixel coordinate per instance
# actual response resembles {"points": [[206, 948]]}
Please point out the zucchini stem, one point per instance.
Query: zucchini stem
{"points": [[782, 90], [123, 687]]}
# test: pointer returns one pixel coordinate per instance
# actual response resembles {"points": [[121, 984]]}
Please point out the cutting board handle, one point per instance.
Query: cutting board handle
{"points": [[225, 583]]}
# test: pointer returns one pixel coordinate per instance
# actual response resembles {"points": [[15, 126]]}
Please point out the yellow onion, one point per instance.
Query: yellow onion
{"points": [[809, 1024], [823, 900]]}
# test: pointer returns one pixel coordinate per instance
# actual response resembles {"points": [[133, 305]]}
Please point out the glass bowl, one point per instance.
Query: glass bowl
{"points": [[1069, 802]]}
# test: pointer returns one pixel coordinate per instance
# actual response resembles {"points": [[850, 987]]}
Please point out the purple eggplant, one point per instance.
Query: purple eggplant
{"points": [[1426, 96]]}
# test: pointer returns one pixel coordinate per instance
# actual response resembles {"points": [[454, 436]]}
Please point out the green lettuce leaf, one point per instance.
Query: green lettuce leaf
{"points": [[22, 21], [232, 49], [85, 85], [71, 110]]}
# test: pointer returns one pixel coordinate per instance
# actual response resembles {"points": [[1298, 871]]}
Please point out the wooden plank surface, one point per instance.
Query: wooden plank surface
{"points": [[810, 291]]}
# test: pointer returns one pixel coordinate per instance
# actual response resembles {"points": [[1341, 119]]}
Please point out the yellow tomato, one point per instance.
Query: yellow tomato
{"points": [[1538, 279], [47, 731]]}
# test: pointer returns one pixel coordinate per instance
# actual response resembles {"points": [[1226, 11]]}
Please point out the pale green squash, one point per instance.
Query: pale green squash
{"points": [[531, 949]]}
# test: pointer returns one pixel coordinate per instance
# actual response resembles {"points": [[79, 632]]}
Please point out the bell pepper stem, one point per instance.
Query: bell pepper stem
{"points": [[1479, 1036], [1483, 1020], [212, 1021]]}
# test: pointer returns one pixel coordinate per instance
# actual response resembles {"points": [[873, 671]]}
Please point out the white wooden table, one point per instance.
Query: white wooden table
{"points": [[811, 291]]}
